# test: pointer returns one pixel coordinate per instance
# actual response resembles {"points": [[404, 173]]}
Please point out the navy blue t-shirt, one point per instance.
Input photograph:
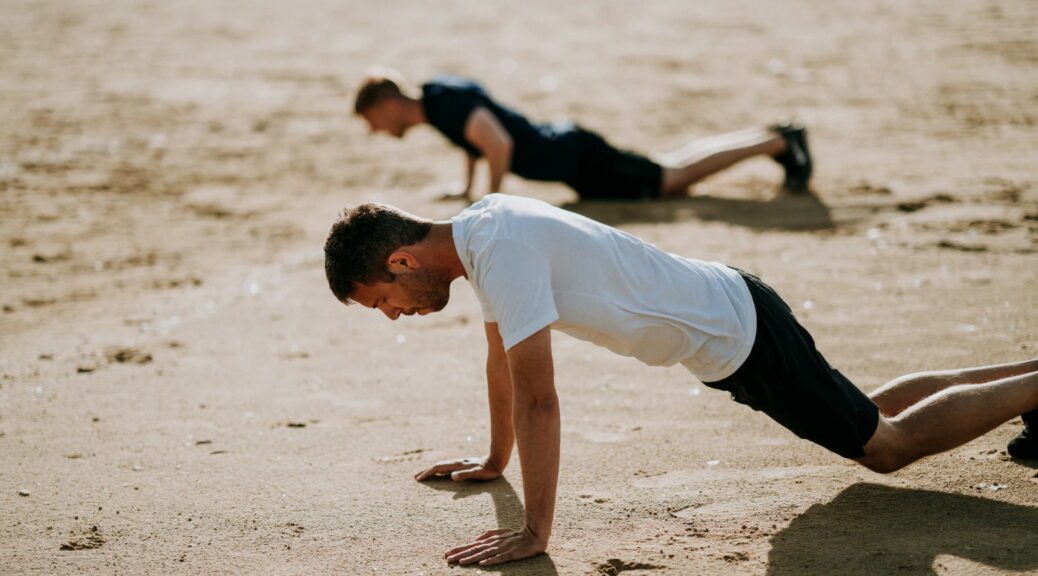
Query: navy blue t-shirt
{"points": [[539, 151]]}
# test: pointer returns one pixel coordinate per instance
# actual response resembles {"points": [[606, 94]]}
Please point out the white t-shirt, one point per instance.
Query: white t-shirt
{"points": [[533, 265]]}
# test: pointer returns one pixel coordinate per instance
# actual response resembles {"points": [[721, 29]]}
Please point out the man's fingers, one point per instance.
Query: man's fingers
{"points": [[507, 554], [487, 539], [494, 547], [500, 558], [463, 552], [490, 533], [480, 556], [474, 473], [442, 469]]}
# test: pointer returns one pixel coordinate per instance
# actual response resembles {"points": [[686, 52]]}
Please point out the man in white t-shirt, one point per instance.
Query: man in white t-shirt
{"points": [[535, 267]]}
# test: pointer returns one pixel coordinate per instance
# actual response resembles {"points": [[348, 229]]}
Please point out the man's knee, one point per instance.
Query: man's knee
{"points": [[882, 462], [885, 452]]}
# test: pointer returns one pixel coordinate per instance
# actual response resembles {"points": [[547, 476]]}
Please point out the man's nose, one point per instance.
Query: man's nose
{"points": [[391, 312]]}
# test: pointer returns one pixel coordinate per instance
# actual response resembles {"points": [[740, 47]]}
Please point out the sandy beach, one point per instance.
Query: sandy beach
{"points": [[181, 394]]}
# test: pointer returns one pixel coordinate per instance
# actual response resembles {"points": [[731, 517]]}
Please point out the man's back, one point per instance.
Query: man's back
{"points": [[541, 151], [532, 265]]}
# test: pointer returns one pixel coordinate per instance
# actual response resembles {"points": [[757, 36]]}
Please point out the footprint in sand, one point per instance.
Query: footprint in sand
{"points": [[916, 205], [615, 566], [84, 540], [127, 355]]}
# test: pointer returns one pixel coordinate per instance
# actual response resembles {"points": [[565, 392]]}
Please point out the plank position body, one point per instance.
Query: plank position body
{"points": [[535, 267], [469, 118]]}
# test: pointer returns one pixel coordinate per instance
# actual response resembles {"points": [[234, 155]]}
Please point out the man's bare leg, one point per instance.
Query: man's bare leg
{"points": [[947, 419], [895, 396], [711, 155]]}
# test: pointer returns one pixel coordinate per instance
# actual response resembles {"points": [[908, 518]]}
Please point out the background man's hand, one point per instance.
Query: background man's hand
{"points": [[497, 546], [461, 469]]}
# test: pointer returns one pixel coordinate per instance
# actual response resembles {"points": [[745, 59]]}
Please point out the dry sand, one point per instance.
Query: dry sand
{"points": [[180, 393]]}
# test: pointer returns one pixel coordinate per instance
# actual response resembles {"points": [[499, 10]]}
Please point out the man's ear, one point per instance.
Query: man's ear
{"points": [[402, 262], [387, 107]]}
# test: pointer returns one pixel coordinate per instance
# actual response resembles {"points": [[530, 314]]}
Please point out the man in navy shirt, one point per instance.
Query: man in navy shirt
{"points": [[466, 115]]}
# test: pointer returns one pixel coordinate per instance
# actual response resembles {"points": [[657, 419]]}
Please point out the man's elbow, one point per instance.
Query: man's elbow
{"points": [[504, 149]]}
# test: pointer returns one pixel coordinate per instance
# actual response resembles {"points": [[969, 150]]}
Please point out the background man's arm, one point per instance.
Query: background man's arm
{"points": [[470, 172], [486, 133], [535, 409]]}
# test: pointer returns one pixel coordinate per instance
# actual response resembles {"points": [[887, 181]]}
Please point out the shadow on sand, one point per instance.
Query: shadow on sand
{"points": [[509, 511], [798, 212], [872, 529]]}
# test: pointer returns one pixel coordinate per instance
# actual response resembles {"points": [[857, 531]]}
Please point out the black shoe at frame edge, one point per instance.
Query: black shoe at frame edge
{"points": [[796, 158], [1025, 445]]}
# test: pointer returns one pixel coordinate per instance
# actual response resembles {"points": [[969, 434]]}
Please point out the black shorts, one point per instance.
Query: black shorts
{"points": [[607, 173], [788, 379]]}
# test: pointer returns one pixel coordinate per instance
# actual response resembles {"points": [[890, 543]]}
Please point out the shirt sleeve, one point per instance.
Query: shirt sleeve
{"points": [[516, 290], [450, 112]]}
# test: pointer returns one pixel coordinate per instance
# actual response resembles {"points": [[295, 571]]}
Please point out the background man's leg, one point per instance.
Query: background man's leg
{"points": [[894, 396], [707, 156], [947, 419]]}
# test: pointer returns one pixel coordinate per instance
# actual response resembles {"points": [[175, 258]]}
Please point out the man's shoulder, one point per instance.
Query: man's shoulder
{"points": [[500, 203], [505, 217], [449, 85]]}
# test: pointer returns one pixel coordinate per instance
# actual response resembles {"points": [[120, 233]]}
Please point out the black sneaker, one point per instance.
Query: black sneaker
{"points": [[1025, 445], [796, 158]]}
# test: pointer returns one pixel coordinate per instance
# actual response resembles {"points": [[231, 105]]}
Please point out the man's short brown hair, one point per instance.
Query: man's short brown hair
{"points": [[361, 241], [379, 84]]}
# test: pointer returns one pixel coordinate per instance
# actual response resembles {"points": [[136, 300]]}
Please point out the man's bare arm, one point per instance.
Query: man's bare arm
{"points": [[502, 437], [536, 421], [499, 393], [485, 132], [535, 415], [470, 173]]}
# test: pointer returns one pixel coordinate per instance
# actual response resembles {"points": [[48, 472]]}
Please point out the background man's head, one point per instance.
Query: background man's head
{"points": [[360, 244], [382, 99]]}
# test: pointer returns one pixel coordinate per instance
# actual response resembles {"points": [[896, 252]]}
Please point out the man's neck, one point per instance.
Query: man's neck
{"points": [[414, 112], [441, 242]]}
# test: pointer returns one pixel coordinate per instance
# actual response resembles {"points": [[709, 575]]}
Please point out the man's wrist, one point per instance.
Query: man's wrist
{"points": [[496, 461], [538, 535]]}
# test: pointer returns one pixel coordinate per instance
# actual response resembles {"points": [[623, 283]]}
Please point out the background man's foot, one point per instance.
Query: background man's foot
{"points": [[1025, 445], [796, 158]]}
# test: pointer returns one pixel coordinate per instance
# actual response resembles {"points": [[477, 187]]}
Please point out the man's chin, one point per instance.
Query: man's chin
{"points": [[433, 308]]}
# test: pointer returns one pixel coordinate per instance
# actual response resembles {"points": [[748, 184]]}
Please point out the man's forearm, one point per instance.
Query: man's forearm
{"points": [[499, 393], [499, 163], [535, 419], [537, 430], [486, 134], [470, 172]]}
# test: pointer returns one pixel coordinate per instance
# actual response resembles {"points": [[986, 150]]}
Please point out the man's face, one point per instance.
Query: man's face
{"points": [[386, 116], [419, 292]]}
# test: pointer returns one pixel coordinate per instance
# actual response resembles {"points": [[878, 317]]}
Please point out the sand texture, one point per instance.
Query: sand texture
{"points": [[180, 393]]}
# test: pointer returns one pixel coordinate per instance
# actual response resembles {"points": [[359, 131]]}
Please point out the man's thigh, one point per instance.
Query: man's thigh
{"points": [[605, 172], [788, 379]]}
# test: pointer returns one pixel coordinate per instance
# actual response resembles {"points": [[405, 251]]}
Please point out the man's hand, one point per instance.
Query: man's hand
{"points": [[481, 469], [497, 546]]}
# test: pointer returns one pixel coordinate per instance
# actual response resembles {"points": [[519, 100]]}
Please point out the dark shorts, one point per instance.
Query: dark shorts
{"points": [[607, 173], [788, 379]]}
